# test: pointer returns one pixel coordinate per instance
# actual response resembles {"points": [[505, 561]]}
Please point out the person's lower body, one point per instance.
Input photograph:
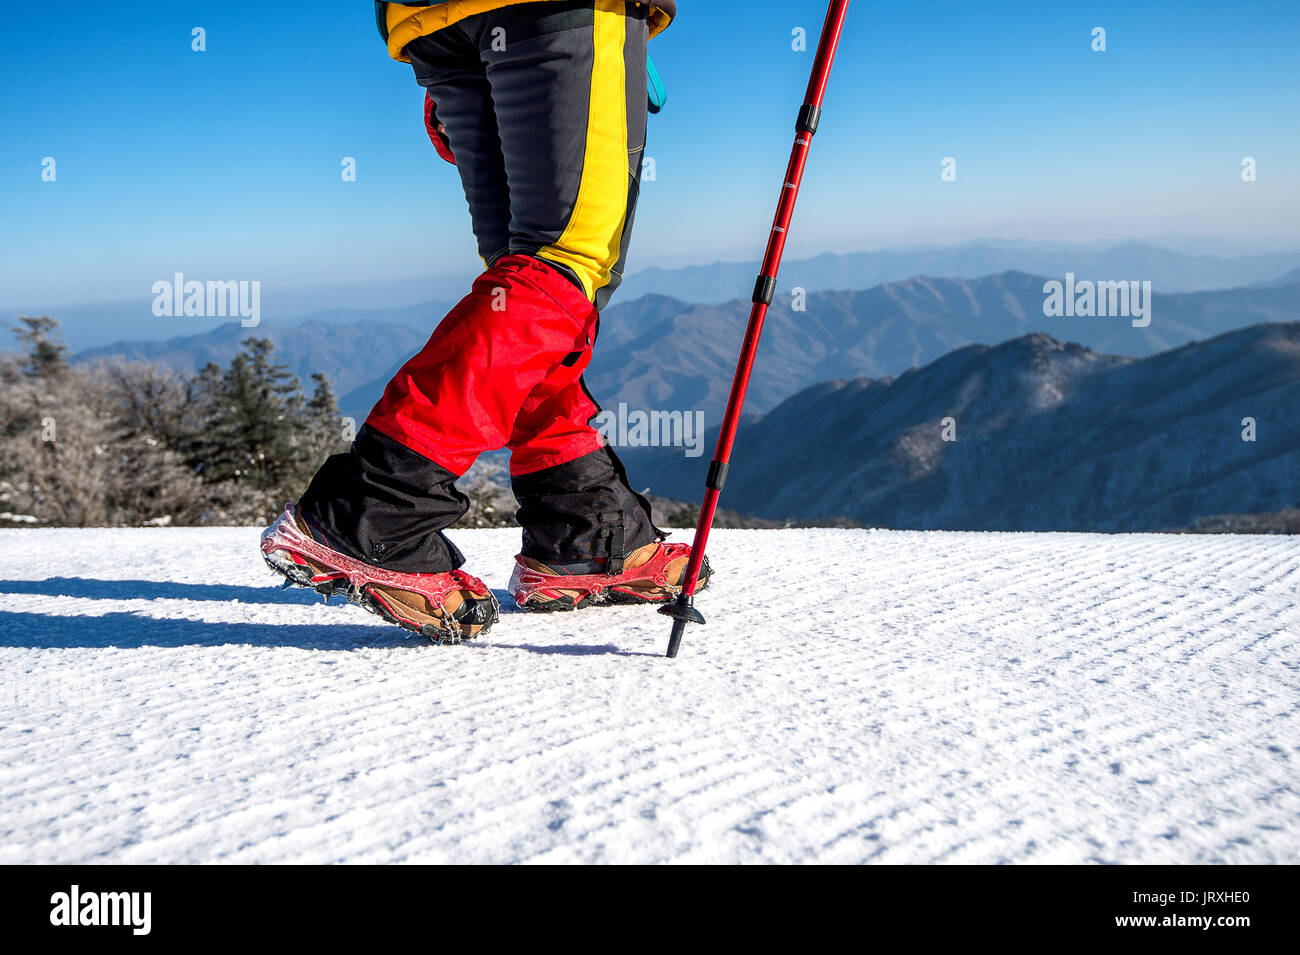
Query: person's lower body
{"points": [[544, 106]]}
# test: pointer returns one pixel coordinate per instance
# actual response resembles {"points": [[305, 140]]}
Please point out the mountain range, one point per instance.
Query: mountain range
{"points": [[661, 352], [658, 352], [1189, 268], [1166, 269], [1044, 436], [350, 354], [1122, 429]]}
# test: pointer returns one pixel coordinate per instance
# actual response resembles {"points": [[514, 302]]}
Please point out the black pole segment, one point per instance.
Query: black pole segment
{"points": [[809, 115], [675, 638], [717, 474], [683, 612]]}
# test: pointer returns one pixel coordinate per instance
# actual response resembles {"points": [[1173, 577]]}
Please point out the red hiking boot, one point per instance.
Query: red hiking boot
{"points": [[651, 574], [446, 608]]}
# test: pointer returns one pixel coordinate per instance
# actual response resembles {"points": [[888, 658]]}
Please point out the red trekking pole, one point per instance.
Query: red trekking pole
{"points": [[683, 611]]}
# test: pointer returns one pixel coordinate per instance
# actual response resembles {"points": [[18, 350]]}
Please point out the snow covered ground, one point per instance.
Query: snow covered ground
{"points": [[856, 696]]}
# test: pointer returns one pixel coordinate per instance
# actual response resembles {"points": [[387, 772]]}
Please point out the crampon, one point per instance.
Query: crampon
{"points": [[445, 608], [651, 574]]}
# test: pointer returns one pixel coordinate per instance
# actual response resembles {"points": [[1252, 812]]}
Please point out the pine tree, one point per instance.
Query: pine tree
{"points": [[258, 417], [47, 356], [325, 434]]}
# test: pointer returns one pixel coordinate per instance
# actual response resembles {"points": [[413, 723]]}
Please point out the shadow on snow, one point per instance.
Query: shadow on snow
{"points": [[156, 590], [132, 630]]}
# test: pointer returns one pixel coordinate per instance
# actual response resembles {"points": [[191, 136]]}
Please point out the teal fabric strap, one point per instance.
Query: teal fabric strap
{"points": [[655, 87]]}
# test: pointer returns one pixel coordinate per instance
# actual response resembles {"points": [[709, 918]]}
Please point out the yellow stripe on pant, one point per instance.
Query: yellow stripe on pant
{"points": [[591, 239]]}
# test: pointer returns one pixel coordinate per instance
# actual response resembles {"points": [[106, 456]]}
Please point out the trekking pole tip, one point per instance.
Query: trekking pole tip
{"points": [[675, 640], [683, 612]]}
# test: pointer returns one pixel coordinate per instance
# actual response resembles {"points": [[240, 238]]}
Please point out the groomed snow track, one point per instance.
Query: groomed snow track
{"points": [[855, 697]]}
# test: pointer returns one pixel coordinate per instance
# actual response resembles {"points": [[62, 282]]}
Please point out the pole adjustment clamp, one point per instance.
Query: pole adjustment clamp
{"points": [[809, 116]]}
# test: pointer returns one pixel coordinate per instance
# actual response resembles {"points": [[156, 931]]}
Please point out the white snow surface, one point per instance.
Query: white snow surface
{"points": [[856, 696]]}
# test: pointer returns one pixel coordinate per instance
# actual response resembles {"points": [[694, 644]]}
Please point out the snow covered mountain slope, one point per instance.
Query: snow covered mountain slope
{"points": [[856, 696], [1046, 436]]}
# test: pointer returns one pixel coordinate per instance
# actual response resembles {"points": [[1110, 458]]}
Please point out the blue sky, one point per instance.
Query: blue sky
{"points": [[225, 164]]}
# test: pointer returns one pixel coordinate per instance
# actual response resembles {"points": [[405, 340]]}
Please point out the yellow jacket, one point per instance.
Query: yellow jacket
{"points": [[400, 23]]}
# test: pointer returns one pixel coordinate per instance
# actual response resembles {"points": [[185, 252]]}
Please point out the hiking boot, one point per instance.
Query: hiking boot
{"points": [[446, 608], [652, 574]]}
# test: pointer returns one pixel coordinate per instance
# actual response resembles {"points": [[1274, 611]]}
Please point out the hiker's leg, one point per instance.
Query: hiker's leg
{"points": [[382, 501], [575, 504], [572, 149]]}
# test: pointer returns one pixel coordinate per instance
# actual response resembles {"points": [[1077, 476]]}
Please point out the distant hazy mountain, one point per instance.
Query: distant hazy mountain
{"points": [[94, 325], [659, 352], [349, 354], [1048, 437], [423, 317], [109, 324], [1290, 278], [1167, 270]]}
